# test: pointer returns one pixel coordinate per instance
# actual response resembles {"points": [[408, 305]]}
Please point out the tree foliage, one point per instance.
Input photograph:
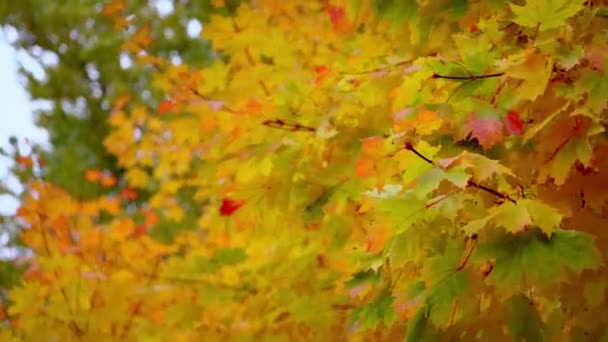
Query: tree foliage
{"points": [[374, 170], [76, 69], [81, 69]]}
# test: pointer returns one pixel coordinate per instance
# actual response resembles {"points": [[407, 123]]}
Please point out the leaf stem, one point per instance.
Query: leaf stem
{"points": [[467, 256], [453, 314]]}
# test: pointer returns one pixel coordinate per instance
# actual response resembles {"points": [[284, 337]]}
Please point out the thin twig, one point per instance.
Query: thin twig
{"points": [[492, 191], [294, 127], [385, 68], [467, 78], [410, 147]]}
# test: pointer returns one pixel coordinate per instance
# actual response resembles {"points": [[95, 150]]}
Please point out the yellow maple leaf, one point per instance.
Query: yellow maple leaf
{"points": [[426, 122]]}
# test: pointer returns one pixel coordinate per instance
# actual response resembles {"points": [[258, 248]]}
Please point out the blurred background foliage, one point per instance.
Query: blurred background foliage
{"points": [[84, 70]]}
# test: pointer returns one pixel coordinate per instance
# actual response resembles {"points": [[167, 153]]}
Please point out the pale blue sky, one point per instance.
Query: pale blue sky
{"points": [[16, 116]]}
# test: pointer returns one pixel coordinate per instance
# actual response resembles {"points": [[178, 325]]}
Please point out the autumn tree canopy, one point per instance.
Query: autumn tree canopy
{"points": [[349, 169], [80, 68]]}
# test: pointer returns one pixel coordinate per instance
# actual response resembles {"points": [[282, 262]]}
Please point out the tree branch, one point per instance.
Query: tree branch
{"points": [[410, 147]]}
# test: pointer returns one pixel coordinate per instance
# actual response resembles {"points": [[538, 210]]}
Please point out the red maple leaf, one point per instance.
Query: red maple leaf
{"points": [[140, 230], [513, 124], [165, 106], [336, 14], [229, 206], [128, 193], [488, 131], [321, 72]]}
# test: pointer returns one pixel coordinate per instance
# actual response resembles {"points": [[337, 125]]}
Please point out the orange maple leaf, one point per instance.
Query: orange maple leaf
{"points": [[93, 175], [24, 161], [426, 122], [113, 8], [128, 193], [108, 180], [121, 102], [366, 164]]}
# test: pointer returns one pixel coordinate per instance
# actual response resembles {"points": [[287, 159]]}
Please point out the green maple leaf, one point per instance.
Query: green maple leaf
{"points": [[311, 310], [524, 320], [363, 277], [403, 210], [403, 10], [595, 292], [532, 259], [446, 283], [416, 326], [380, 310], [428, 182], [230, 256], [314, 211], [475, 52], [516, 217], [548, 13], [480, 167]]}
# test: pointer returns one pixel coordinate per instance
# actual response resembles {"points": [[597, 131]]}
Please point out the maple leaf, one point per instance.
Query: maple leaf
{"points": [[426, 122], [517, 217], [532, 259], [41, 161], [107, 180], [121, 102], [380, 310], [321, 72], [383, 254], [25, 162], [128, 193], [140, 40], [525, 322], [140, 230], [229, 206], [366, 164], [150, 219], [337, 16], [546, 13], [93, 175], [445, 284], [113, 7], [165, 106], [488, 131], [513, 124], [534, 69]]}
